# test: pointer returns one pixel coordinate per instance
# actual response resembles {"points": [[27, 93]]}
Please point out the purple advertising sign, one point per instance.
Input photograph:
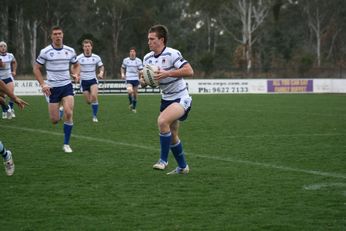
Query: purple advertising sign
{"points": [[290, 85]]}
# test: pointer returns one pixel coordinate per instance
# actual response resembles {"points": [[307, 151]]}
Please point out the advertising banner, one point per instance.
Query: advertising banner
{"points": [[290, 85], [226, 86], [212, 86]]}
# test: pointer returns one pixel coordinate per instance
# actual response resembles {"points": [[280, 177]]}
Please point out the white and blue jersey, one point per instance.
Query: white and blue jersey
{"points": [[170, 59], [6, 72], [88, 66], [57, 62], [132, 68]]}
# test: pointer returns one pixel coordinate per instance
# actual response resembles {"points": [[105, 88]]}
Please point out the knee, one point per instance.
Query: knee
{"points": [[163, 125], [68, 115], [93, 99], [88, 99]]}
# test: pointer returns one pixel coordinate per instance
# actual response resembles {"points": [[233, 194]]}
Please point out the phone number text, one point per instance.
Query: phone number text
{"points": [[223, 89]]}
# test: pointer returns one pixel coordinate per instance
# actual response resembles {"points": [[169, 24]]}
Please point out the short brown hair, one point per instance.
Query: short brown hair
{"points": [[55, 28], [161, 32], [87, 41]]}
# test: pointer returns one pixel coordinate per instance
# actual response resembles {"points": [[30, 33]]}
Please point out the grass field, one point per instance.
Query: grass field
{"points": [[258, 162]]}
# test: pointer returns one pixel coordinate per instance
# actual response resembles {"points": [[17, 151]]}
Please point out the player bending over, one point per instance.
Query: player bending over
{"points": [[6, 154]]}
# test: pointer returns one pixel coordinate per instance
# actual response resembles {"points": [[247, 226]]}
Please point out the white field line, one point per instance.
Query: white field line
{"points": [[286, 135], [224, 159], [324, 185], [279, 167]]}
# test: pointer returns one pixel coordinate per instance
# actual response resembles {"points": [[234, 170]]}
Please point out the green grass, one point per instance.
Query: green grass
{"points": [[258, 162]]}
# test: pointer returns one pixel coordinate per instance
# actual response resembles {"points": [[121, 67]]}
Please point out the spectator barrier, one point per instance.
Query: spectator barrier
{"points": [[212, 86]]}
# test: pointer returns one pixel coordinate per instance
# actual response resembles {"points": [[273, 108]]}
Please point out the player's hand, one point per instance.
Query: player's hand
{"points": [[142, 82], [14, 73], [21, 103], [160, 74], [100, 75], [75, 77], [46, 89]]}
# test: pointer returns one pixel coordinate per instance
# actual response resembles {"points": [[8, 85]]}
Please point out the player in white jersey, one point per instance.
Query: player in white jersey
{"points": [[90, 65], [175, 102], [61, 64], [7, 154], [131, 69], [8, 69]]}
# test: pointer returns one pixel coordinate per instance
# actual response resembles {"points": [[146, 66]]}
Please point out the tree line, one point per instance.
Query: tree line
{"points": [[221, 39]]}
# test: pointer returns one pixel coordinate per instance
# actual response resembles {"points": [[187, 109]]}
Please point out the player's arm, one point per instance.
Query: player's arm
{"points": [[101, 70], [141, 79], [185, 71], [38, 76], [122, 72], [5, 90], [14, 67], [75, 71], [21, 103]]}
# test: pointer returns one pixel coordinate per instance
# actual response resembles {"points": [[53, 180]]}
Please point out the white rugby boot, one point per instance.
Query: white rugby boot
{"points": [[12, 113], [179, 170], [9, 164], [67, 148], [9, 114], [160, 165]]}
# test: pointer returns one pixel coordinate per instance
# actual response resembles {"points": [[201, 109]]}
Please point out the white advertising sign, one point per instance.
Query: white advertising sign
{"points": [[226, 86], [330, 85], [216, 86], [27, 87]]}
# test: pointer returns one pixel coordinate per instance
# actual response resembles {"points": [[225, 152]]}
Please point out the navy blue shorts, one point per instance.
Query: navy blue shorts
{"points": [[8, 80], [134, 83], [186, 103], [57, 93], [86, 84]]}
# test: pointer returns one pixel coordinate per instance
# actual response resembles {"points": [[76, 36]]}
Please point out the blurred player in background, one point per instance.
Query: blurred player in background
{"points": [[57, 58], [8, 68], [175, 102], [90, 65], [7, 154], [130, 71]]}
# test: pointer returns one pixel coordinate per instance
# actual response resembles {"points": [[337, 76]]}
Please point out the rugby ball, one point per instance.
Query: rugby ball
{"points": [[148, 75]]}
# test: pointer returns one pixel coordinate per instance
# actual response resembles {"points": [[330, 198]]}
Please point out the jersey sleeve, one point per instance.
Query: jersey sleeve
{"points": [[178, 60], [123, 65], [99, 62], [74, 59], [41, 59], [140, 64], [13, 59]]}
